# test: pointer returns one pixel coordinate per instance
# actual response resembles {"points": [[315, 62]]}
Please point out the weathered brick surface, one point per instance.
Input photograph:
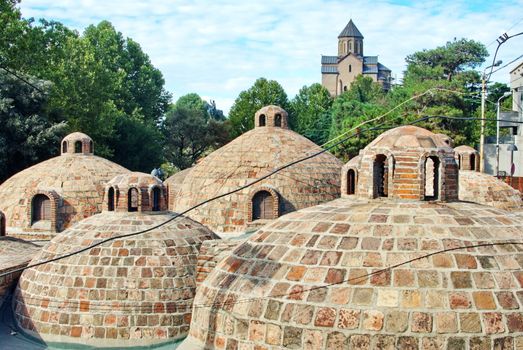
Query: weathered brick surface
{"points": [[73, 181], [250, 156], [212, 252]]}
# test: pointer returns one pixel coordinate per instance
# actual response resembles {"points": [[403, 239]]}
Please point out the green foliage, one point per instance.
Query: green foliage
{"points": [[311, 110], [264, 92], [190, 132], [27, 135]]}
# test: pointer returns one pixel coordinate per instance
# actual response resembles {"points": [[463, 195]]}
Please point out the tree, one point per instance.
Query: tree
{"points": [[190, 133], [264, 92], [27, 135], [311, 111]]}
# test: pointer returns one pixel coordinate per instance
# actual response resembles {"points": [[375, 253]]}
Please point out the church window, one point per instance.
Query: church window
{"points": [[350, 46], [350, 68]]}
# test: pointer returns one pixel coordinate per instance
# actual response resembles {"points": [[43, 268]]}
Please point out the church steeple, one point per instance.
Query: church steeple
{"points": [[350, 40]]}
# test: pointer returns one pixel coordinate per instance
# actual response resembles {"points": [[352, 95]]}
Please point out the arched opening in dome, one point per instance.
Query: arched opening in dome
{"points": [[64, 147], [431, 169], [472, 161], [351, 182], [132, 200], [459, 161], [262, 206], [157, 193], [91, 147], [2, 224], [277, 120], [380, 176], [78, 147], [40, 208], [262, 120], [110, 199]]}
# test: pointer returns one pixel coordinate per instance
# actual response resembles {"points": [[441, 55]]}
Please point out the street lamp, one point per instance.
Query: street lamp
{"points": [[512, 148], [498, 114]]}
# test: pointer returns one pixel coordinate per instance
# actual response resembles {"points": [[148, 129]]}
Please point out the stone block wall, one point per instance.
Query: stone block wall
{"points": [[211, 253]]}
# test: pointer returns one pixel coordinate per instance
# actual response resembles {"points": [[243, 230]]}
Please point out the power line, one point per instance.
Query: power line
{"points": [[13, 73], [508, 64]]}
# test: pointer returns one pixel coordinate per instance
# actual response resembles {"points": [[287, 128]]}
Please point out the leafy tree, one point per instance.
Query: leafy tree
{"points": [[190, 133], [263, 92], [27, 135], [311, 110]]}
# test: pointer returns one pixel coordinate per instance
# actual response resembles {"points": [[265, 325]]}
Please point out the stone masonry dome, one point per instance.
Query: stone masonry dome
{"points": [[319, 278], [50, 196], [407, 162], [271, 116], [77, 143], [133, 291], [467, 158], [252, 155]]}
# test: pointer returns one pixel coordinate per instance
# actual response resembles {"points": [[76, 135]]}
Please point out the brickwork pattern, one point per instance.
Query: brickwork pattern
{"points": [[174, 184], [128, 292], [77, 180], [488, 190], [248, 157], [265, 295], [143, 183], [69, 143], [211, 253]]}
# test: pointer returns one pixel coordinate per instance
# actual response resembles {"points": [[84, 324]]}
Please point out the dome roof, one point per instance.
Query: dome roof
{"points": [[132, 291], [134, 179], [319, 278], [353, 162], [271, 116], [488, 190], [252, 155], [174, 183], [447, 139], [77, 143], [74, 184], [408, 136], [464, 149]]}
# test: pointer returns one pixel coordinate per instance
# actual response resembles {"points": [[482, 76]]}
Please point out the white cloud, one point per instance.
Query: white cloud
{"points": [[219, 48]]}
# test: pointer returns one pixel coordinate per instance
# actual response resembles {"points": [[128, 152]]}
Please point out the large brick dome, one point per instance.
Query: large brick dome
{"points": [[52, 195], [252, 155], [134, 291]]}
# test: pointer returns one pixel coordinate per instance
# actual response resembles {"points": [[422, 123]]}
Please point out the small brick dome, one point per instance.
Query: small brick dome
{"points": [[135, 291], [302, 281], [52, 195], [77, 143], [271, 116], [467, 158], [406, 163], [250, 156], [488, 190]]}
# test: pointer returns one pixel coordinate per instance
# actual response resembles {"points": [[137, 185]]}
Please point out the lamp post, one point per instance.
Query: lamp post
{"points": [[512, 148], [498, 117]]}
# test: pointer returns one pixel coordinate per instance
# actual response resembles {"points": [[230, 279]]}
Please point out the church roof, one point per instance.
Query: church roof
{"points": [[350, 31], [329, 59]]}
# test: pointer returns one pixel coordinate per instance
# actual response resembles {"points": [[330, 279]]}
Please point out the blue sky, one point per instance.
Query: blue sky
{"points": [[219, 48]]}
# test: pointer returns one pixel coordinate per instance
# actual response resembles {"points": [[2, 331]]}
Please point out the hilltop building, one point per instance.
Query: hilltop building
{"points": [[338, 72]]}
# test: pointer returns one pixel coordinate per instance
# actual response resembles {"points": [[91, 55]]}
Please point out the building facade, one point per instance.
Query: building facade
{"points": [[338, 72]]}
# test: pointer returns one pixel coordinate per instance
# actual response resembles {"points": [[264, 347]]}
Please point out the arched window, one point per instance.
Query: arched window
{"points": [[350, 68], [472, 161], [132, 200], [156, 199], [345, 48], [351, 182], [78, 147], [262, 120], [350, 46], [277, 120], [110, 199], [431, 169], [2, 224], [345, 88], [64, 147], [262, 206], [91, 146], [380, 175], [40, 208]]}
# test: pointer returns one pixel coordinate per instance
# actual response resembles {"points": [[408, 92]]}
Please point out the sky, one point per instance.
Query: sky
{"points": [[219, 48]]}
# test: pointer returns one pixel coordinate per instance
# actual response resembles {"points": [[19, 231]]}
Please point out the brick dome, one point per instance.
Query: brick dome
{"points": [[50, 196], [467, 158], [408, 136], [251, 156], [135, 291], [77, 143], [488, 190], [302, 281], [174, 183]]}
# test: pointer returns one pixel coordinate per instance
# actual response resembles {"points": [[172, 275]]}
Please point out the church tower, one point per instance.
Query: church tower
{"points": [[350, 40]]}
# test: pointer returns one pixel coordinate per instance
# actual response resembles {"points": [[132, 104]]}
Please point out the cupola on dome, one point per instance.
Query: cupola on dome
{"points": [[77, 143], [271, 116], [467, 158]]}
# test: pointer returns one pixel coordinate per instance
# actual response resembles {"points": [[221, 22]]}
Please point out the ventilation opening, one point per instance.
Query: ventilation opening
{"points": [[459, 162], [78, 147], [277, 120], [351, 182], [91, 147], [262, 206], [64, 147], [132, 200], [40, 208], [431, 190], [2, 224], [110, 198], [472, 162], [380, 176], [156, 199], [262, 120]]}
